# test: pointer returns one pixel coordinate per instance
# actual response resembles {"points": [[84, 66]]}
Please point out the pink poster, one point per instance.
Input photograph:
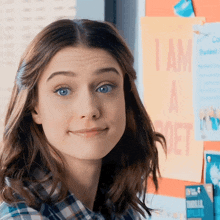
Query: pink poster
{"points": [[168, 93]]}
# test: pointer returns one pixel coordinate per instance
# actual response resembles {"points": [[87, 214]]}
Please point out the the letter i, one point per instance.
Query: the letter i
{"points": [[157, 55]]}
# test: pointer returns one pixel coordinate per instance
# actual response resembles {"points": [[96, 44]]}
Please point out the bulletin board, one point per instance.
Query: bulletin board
{"points": [[202, 8]]}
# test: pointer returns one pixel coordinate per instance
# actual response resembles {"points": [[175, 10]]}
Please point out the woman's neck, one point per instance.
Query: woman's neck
{"points": [[83, 179]]}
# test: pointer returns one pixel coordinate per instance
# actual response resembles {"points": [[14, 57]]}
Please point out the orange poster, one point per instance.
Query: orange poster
{"points": [[167, 79]]}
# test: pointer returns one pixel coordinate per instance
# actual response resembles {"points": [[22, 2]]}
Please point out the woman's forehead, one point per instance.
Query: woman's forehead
{"points": [[82, 53], [77, 59]]}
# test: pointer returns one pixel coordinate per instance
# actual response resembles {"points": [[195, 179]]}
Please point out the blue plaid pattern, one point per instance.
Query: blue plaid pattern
{"points": [[69, 208]]}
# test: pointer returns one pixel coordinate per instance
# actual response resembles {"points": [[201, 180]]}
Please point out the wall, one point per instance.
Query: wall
{"points": [[128, 14], [90, 9]]}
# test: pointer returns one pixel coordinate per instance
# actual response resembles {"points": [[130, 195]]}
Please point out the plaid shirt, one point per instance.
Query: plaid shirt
{"points": [[69, 208]]}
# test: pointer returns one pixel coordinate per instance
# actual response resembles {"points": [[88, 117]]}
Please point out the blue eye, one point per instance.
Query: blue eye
{"points": [[105, 88], [63, 91]]}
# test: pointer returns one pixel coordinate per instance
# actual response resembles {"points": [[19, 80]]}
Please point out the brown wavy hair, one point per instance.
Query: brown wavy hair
{"points": [[125, 169]]}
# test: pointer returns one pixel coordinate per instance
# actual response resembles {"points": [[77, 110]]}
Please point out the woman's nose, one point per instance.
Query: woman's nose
{"points": [[88, 106]]}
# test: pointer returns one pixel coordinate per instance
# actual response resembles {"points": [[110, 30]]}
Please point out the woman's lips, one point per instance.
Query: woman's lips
{"points": [[90, 132]]}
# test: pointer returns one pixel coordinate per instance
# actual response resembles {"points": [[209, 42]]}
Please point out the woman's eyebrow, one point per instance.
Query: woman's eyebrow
{"points": [[65, 73], [72, 74], [107, 69]]}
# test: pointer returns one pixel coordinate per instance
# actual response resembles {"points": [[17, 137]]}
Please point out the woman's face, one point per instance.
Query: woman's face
{"points": [[82, 89]]}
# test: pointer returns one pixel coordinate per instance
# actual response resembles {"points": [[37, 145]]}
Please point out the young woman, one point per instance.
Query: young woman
{"points": [[78, 143]]}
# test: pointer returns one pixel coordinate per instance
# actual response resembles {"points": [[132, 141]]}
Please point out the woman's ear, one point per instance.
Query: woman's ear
{"points": [[36, 116]]}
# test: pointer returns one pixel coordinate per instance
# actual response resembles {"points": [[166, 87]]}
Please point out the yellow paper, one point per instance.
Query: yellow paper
{"points": [[167, 78]]}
